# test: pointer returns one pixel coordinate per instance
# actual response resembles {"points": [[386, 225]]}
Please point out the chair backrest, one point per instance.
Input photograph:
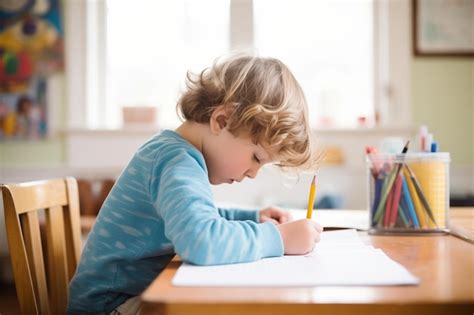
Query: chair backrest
{"points": [[43, 291]]}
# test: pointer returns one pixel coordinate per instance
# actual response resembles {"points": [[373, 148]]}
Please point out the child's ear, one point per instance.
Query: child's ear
{"points": [[218, 120]]}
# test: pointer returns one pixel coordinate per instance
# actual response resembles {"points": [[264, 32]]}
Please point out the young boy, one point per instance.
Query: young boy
{"points": [[239, 114]]}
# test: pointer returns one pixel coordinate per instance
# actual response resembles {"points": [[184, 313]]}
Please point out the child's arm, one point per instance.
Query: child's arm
{"points": [[182, 196], [239, 214], [272, 214]]}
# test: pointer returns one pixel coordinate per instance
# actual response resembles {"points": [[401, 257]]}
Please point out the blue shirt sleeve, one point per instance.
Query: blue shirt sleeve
{"points": [[239, 214], [182, 196]]}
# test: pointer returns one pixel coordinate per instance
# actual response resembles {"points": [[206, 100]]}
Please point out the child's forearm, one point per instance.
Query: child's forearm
{"points": [[220, 241], [239, 214]]}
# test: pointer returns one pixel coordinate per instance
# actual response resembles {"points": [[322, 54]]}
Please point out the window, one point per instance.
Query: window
{"points": [[151, 45], [328, 45], [147, 46]]}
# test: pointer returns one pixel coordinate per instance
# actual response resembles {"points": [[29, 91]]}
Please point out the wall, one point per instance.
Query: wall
{"points": [[19, 154], [443, 99]]}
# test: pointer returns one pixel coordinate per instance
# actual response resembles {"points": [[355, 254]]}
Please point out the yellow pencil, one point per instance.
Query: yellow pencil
{"points": [[312, 193]]}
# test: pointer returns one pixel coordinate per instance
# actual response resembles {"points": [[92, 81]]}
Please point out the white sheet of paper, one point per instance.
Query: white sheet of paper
{"points": [[340, 258]]}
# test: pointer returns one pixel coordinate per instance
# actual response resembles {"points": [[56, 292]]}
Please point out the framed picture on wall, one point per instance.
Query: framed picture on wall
{"points": [[443, 27]]}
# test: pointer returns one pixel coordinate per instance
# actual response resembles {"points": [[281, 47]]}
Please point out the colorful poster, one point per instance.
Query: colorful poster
{"points": [[31, 48]]}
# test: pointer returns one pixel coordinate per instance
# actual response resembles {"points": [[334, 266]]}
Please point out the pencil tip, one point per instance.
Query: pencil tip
{"points": [[405, 148]]}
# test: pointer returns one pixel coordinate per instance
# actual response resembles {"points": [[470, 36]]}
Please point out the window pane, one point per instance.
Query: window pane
{"points": [[328, 46], [151, 44]]}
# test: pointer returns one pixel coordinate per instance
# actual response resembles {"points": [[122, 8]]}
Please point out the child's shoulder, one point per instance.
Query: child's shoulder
{"points": [[169, 145], [165, 139]]}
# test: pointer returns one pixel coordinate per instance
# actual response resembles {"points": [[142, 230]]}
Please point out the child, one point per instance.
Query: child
{"points": [[239, 114]]}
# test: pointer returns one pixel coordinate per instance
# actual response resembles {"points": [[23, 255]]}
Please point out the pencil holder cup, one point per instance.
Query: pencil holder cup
{"points": [[408, 193]]}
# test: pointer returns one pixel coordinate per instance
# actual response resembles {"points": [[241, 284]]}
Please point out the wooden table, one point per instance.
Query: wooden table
{"points": [[444, 264]]}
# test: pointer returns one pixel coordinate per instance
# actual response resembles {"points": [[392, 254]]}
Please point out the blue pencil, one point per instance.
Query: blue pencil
{"points": [[378, 190], [404, 207], [411, 208], [381, 208], [402, 210]]}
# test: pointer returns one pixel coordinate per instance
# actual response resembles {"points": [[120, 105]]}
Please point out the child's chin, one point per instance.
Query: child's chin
{"points": [[215, 181], [220, 181]]}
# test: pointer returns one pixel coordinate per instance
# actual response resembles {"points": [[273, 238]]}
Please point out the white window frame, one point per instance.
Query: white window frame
{"points": [[86, 51], [75, 62], [392, 62]]}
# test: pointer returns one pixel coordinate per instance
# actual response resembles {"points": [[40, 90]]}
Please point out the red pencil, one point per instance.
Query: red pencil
{"points": [[388, 209], [397, 190]]}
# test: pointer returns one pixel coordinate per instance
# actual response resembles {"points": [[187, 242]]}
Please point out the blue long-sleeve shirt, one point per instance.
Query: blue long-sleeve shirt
{"points": [[162, 204]]}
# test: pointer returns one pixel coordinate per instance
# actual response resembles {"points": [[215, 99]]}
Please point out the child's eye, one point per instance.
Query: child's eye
{"points": [[256, 159]]}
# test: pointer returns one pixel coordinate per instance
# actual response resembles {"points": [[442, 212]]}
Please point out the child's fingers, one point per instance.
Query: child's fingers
{"points": [[278, 214], [317, 238], [285, 217], [317, 226]]}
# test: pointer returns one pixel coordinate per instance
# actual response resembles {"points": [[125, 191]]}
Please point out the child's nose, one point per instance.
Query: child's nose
{"points": [[252, 172], [251, 175]]}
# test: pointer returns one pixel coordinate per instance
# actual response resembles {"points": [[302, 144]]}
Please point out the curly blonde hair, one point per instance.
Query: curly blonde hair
{"points": [[263, 99]]}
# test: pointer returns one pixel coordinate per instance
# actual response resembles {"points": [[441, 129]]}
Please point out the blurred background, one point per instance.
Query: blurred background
{"points": [[84, 83]]}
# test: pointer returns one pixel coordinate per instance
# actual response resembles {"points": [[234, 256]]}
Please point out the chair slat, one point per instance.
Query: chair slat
{"points": [[20, 266], [41, 195], [57, 265], [73, 231], [32, 237]]}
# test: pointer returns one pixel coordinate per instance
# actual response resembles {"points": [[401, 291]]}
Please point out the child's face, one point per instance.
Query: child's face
{"points": [[229, 158]]}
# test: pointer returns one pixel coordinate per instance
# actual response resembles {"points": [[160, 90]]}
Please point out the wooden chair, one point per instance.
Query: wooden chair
{"points": [[41, 292]]}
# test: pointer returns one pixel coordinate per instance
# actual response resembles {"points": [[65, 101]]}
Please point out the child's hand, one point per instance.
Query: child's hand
{"points": [[300, 236], [275, 215]]}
